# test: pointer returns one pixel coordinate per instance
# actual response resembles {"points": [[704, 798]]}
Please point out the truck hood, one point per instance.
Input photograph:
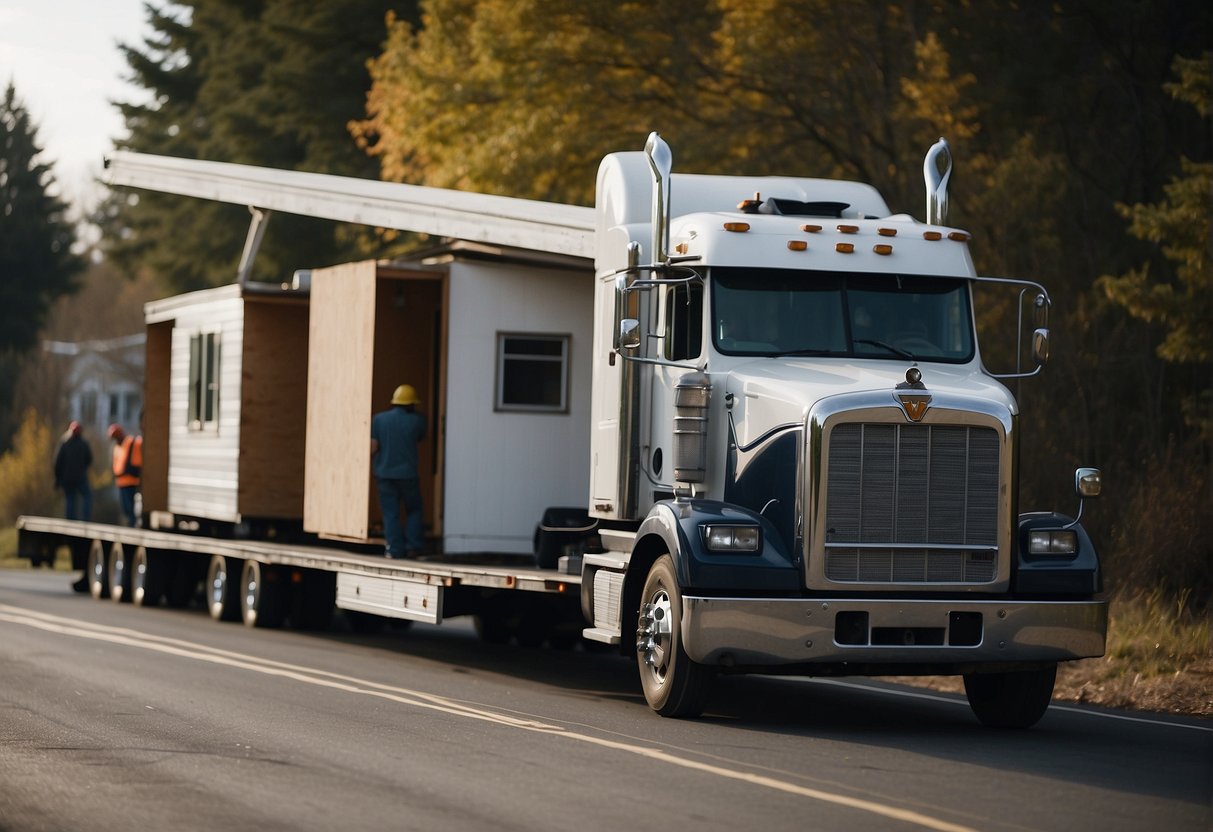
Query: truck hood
{"points": [[771, 393]]}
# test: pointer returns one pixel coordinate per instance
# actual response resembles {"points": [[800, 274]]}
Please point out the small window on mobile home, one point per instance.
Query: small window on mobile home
{"points": [[204, 381], [532, 372]]}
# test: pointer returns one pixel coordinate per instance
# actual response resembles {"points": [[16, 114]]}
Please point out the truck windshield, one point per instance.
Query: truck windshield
{"points": [[791, 312]]}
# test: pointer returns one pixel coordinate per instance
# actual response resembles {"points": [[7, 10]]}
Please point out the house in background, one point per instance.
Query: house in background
{"points": [[103, 381]]}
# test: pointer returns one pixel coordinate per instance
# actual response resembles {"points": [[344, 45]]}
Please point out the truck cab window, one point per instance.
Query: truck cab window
{"points": [[888, 316], [684, 321]]}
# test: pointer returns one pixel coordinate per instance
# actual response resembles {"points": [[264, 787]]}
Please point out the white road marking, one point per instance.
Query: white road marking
{"points": [[958, 699], [405, 696]]}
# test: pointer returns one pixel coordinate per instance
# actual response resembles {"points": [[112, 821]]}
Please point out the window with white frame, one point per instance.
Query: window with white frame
{"points": [[204, 381], [532, 372]]}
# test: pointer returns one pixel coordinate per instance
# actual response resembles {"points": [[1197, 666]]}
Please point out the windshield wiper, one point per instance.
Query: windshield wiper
{"points": [[885, 346], [811, 351]]}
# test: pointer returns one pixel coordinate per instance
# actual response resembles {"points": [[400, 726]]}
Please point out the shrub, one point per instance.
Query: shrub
{"points": [[27, 478]]}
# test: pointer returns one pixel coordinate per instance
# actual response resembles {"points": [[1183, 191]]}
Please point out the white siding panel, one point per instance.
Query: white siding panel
{"points": [[504, 469], [203, 464]]}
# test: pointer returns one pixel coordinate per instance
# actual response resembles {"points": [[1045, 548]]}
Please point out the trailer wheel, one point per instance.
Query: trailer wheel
{"points": [[223, 588], [147, 577], [1016, 699], [96, 571], [118, 574], [262, 601], [673, 685]]}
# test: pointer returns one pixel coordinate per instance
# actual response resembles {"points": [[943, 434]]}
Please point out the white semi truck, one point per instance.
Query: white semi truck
{"points": [[792, 456]]}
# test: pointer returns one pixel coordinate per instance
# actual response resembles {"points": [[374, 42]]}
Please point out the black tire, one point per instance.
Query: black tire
{"points": [[674, 686], [96, 571], [262, 595], [118, 573], [221, 589], [147, 577], [1016, 699]]}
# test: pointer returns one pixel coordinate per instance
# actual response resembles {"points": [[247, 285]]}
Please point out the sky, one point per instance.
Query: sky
{"points": [[63, 58]]}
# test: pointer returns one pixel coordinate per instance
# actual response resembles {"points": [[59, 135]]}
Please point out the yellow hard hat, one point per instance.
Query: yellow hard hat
{"points": [[405, 394]]}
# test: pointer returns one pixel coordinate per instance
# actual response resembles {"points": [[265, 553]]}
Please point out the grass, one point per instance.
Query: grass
{"points": [[1151, 636]]}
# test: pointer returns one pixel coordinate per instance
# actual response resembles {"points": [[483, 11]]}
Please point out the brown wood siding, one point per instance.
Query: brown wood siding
{"points": [[155, 427], [273, 408]]}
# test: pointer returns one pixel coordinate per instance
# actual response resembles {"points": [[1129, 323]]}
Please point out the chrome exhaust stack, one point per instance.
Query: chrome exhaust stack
{"points": [[937, 181]]}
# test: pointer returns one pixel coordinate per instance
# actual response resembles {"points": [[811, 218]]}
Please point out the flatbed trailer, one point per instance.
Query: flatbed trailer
{"points": [[267, 583]]}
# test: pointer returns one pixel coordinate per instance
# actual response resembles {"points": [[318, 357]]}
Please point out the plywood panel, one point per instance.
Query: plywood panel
{"points": [[157, 360], [273, 408], [340, 364]]}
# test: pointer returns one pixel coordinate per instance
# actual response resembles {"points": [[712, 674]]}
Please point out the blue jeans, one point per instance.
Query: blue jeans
{"points": [[392, 495], [126, 494], [78, 501]]}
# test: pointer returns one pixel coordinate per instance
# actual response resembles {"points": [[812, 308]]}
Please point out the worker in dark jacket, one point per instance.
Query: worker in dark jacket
{"points": [[72, 461], [394, 436]]}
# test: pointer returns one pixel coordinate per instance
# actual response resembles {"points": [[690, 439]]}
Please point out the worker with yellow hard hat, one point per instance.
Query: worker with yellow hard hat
{"points": [[395, 435]]}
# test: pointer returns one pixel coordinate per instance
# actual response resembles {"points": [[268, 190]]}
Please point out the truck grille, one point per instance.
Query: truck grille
{"points": [[912, 504]]}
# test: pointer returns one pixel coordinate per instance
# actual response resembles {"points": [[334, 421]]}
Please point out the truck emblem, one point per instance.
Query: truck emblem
{"points": [[914, 404]]}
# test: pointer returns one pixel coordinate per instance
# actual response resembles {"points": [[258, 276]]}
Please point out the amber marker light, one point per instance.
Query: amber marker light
{"points": [[959, 236], [797, 245], [887, 232], [736, 226], [848, 229], [932, 235], [883, 248], [811, 229], [845, 248], [681, 248]]}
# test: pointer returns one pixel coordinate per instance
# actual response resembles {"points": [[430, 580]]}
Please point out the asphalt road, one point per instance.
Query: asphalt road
{"points": [[117, 718]]}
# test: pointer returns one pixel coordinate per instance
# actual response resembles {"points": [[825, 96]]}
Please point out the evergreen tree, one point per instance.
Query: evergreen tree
{"points": [[270, 83], [37, 264]]}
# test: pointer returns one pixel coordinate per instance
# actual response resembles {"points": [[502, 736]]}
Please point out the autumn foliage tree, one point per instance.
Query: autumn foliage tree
{"points": [[1057, 114]]}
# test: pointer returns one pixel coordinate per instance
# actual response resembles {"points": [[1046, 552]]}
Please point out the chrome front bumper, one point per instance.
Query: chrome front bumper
{"points": [[764, 631]]}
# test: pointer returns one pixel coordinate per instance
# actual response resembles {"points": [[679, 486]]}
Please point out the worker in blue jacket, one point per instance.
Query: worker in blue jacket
{"points": [[395, 435]]}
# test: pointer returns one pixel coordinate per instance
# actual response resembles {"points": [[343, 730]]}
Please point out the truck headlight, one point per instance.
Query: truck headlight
{"points": [[732, 538], [1052, 542]]}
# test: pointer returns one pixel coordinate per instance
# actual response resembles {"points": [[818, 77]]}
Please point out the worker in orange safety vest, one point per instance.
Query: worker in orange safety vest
{"points": [[128, 465]]}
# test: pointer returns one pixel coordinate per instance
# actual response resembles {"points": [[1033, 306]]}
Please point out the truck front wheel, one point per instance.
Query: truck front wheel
{"points": [[1016, 699], [673, 685]]}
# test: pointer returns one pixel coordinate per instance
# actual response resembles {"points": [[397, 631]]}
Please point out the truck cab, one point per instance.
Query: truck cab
{"points": [[800, 462]]}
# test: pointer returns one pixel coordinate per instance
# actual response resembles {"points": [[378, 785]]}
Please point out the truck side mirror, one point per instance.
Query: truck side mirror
{"points": [[1040, 346], [1087, 482], [629, 334]]}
